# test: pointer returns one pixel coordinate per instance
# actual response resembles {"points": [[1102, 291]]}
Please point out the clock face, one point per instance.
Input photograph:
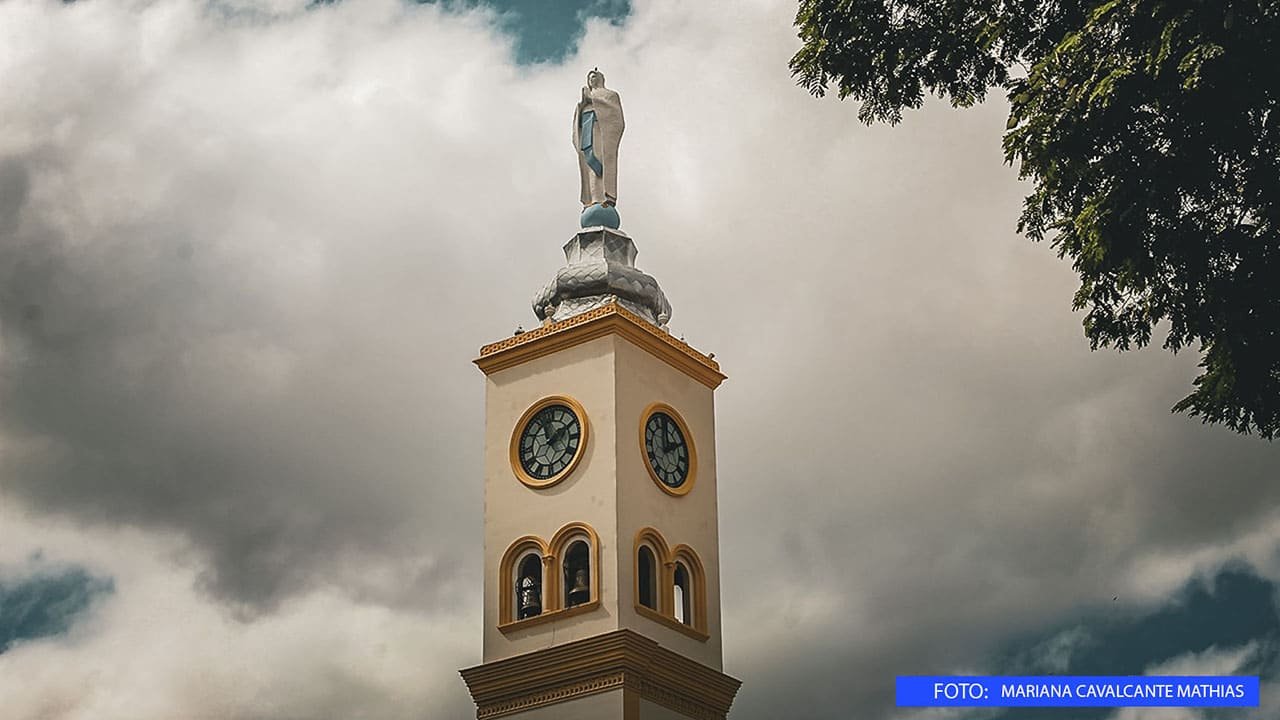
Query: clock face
{"points": [[549, 441], [667, 450]]}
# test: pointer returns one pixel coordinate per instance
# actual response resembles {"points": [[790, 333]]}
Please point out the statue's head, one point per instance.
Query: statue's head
{"points": [[595, 79]]}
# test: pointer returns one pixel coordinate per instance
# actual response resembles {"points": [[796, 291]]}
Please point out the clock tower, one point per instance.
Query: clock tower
{"points": [[601, 553]]}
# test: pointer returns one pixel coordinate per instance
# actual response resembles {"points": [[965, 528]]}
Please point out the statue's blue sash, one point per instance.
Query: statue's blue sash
{"points": [[586, 129]]}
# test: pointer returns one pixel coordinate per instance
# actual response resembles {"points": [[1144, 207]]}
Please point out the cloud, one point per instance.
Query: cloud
{"points": [[158, 649], [247, 251], [197, 338], [1212, 661]]}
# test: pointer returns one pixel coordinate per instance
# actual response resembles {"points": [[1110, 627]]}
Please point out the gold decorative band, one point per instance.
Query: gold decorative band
{"points": [[598, 322]]}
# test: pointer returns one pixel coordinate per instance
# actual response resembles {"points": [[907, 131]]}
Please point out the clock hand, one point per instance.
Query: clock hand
{"points": [[677, 441], [557, 434]]}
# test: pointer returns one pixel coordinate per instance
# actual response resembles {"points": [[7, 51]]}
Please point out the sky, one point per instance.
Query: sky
{"points": [[249, 248]]}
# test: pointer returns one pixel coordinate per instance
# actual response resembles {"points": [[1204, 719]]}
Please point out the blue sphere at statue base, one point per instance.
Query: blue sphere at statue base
{"points": [[599, 214]]}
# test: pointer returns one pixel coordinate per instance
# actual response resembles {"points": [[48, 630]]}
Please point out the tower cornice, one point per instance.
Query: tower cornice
{"points": [[621, 659], [611, 318]]}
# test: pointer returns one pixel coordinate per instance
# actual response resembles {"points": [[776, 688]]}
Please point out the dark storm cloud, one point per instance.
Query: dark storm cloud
{"points": [[920, 456], [14, 186], [180, 356], [144, 386]]}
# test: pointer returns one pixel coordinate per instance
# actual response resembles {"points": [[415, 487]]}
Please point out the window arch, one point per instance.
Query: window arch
{"points": [[650, 541], [647, 582], [682, 595], [523, 560], [695, 588], [577, 574], [539, 581], [670, 584], [528, 586], [576, 549]]}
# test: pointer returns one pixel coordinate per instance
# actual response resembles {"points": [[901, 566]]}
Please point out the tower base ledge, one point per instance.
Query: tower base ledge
{"points": [[622, 659]]}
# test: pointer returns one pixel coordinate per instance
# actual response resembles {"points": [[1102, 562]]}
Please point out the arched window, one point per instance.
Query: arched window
{"points": [[651, 571], [670, 584], [647, 578], [576, 549], [683, 595], [577, 574], [690, 588], [529, 587], [522, 589], [539, 580]]}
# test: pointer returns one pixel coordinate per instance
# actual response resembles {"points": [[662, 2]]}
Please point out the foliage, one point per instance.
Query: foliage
{"points": [[1151, 132]]}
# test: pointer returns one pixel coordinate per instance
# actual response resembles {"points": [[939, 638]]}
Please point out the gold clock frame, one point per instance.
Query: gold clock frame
{"points": [[688, 441], [516, 467]]}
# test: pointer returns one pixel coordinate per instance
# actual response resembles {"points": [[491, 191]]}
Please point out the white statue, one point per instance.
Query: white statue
{"points": [[597, 130]]}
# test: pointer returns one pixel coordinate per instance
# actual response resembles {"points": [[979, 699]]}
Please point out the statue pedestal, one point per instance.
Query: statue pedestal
{"points": [[601, 269]]}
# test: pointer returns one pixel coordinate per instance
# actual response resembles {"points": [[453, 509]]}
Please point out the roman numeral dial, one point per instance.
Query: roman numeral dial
{"points": [[548, 441], [668, 449]]}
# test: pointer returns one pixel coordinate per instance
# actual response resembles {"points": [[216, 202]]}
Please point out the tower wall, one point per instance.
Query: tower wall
{"points": [[689, 519], [584, 372]]}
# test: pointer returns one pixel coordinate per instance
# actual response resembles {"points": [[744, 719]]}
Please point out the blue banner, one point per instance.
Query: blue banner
{"points": [[1077, 691]]}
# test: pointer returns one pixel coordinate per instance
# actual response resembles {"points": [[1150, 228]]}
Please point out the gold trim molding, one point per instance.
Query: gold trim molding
{"points": [[622, 659], [549, 616], [595, 323], [672, 623]]}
